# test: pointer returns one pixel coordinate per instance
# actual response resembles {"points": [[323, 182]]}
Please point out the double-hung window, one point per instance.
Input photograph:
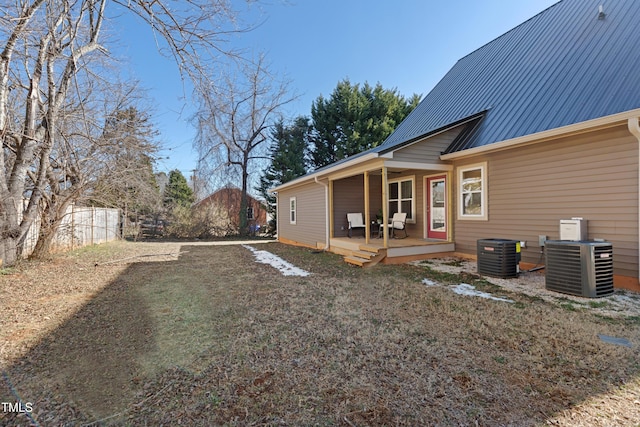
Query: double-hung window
{"points": [[402, 197], [472, 190]]}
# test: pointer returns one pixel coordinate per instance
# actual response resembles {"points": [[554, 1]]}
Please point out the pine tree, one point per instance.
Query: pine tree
{"points": [[177, 192], [354, 119]]}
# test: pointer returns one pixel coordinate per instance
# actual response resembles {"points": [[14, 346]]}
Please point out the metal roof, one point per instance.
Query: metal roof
{"points": [[563, 66]]}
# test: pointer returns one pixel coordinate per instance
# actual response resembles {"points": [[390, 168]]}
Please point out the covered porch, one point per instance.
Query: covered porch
{"points": [[377, 191]]}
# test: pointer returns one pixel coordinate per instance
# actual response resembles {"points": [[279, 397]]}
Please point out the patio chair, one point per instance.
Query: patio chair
{"points": [[398, 222], [355, 221]]}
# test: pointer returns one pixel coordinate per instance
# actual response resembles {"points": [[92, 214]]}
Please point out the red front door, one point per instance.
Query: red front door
{"points": [[436, 207]]}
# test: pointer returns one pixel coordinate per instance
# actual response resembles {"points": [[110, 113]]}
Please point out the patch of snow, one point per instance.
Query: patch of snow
{"points": [[429, 282], [286, 268], [470, 290], [615, 340]]}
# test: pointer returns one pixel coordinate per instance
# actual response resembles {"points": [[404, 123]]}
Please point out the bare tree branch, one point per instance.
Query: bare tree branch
{"points": [[233, 122], [52, 149]]}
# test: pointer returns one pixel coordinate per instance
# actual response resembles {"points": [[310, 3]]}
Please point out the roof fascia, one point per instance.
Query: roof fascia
{"points": [[417, 166], [356, 170], [324, 172], [534, 138]]}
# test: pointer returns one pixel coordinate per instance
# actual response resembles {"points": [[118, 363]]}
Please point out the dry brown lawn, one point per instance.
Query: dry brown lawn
{"points": [[169, 334]]}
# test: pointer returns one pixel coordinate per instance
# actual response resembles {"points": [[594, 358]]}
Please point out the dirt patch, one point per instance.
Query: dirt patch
{"points": [[210, 337]]}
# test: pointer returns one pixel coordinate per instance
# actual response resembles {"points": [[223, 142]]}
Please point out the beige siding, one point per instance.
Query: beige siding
{"points": [[427, 151], [594, 176], [348, 196], [310, 225]]}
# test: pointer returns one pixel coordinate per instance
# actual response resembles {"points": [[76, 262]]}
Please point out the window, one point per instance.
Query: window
{"points": [[472, 186], [250, 213], [292, 210], [402, 197]]}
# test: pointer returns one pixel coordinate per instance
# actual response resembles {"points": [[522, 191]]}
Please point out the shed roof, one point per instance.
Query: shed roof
{"points": [[565, 65]]}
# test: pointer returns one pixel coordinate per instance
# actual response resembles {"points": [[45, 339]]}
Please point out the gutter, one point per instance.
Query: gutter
{"points": [[534, 138], [634, 128], [326, 203]]}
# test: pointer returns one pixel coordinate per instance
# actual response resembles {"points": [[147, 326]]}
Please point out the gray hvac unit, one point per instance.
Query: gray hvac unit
{"points": [[582, 268], [498, 257]]}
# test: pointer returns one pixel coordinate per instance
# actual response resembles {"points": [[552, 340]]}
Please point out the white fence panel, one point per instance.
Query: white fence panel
{"points": [[80, 226], [32, 235]]}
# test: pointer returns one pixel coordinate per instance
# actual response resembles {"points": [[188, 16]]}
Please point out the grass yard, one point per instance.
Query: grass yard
{"points": [[169, 333]]}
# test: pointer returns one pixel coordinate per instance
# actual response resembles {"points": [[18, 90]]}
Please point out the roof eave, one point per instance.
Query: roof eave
{"points": [[324, 172], [573, 129]]}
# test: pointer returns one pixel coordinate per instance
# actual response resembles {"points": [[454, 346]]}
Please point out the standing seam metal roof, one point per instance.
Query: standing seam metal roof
{"points": [[561, 67]]}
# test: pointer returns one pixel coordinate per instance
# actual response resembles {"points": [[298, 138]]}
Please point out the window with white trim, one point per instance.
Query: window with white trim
{"points": [[472, 190], [293, 213], [402, 197]]}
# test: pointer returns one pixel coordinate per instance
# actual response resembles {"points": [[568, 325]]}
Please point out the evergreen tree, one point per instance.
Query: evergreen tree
{"points": [[354, 119], [287, 154], [125, 179], [177, 193]]}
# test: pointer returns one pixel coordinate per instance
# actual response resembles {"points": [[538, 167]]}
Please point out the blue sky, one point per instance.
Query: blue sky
{"points": [[404, 44]]}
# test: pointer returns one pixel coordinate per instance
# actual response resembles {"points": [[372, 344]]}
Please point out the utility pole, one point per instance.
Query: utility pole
{"points": [[194, 187]]}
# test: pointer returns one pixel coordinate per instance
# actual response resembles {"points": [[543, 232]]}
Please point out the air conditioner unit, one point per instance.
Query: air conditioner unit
{"points": [[498, 257], [579, 268]]}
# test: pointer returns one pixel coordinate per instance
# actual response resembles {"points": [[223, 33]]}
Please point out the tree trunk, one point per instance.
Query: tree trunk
{"points": [[244, 224], [8, 252], [49, 224]]}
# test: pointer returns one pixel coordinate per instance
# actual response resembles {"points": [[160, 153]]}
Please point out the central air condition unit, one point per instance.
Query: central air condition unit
{"points": [[579, 268], [498, 257]]}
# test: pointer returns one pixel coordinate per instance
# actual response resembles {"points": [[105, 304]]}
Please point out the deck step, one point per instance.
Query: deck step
{"points": [[370, 248], [360, 262], [367, 258], [363, 254]]}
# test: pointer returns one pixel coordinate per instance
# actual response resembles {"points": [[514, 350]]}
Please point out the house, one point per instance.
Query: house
{"points": [[539, 125], [221, 210]]}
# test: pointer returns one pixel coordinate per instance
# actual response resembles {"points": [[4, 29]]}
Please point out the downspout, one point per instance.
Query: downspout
{"points": [[277, 218], [634, 128], [327, 213]]}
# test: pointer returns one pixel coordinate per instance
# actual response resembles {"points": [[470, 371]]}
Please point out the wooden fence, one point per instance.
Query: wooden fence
{"points": [[81, 226]]}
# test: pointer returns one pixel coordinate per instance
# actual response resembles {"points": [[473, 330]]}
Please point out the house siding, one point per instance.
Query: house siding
{"points": [[428, 151], [348, 196], [310, 226], [593, 176]]}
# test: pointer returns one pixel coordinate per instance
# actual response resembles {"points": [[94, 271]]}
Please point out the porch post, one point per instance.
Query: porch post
{"points": [[367, 219], [385, 207], [330, 208]]}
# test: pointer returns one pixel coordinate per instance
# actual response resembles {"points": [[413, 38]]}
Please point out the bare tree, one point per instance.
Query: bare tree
{"points": [[234, 120], [46, 63]]}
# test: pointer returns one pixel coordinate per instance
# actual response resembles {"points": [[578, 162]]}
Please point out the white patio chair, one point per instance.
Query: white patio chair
{"points": [[355, 221], [398, 222]]}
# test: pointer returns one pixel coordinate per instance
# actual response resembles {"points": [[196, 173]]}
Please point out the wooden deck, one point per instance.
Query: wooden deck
{"points": [[398, 250]]}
